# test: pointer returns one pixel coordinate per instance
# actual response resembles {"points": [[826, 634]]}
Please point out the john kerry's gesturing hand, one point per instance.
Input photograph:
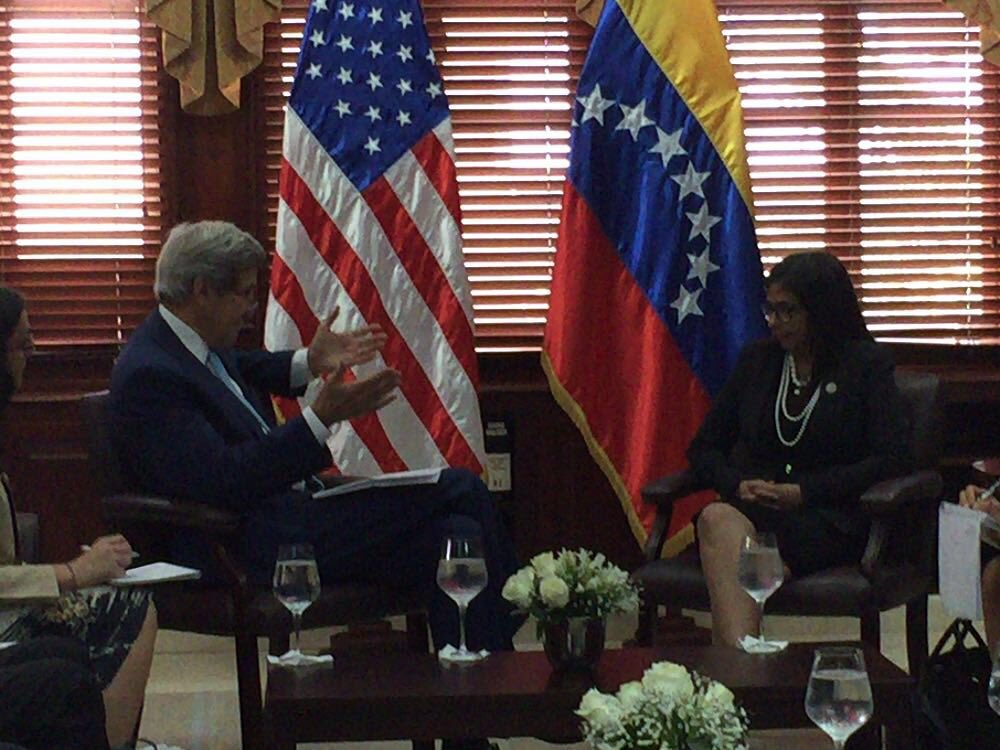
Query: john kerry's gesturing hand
{"points": [[338, 400], [331, 352]]}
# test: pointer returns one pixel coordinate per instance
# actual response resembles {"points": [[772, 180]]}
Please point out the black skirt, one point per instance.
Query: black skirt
{"points": [[807, 540]]}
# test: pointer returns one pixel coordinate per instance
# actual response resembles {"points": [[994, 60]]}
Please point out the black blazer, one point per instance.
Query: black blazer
{"points": [[857, 434]]}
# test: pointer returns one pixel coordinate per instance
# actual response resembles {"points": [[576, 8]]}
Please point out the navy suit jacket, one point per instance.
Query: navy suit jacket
{"points": [[180, 431]]}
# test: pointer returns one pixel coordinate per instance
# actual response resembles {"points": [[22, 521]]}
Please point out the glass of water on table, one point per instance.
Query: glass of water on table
{"points": [[461, 574], [839, 695]]}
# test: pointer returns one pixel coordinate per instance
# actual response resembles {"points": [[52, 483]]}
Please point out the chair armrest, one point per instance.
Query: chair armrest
{"points": [[888, 496], [152, 509], [663, 493]]}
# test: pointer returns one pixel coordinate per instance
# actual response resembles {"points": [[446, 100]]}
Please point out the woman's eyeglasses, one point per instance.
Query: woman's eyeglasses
{"points": [[782, 311]]}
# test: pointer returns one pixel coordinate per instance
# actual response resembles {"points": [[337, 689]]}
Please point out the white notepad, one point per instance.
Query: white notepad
{"points": [[395, 479], [158, 572]]}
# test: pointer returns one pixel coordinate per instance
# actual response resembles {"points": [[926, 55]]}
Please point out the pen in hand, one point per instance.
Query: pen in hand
{"points": [[989, 490]]}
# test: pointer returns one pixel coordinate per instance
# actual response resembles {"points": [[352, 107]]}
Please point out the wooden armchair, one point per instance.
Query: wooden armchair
{"points": [[233, 606], [899, 563]]}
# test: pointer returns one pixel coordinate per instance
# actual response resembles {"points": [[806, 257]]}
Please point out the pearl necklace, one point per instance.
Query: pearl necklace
{"points": [[799, 384], [781, 405]]}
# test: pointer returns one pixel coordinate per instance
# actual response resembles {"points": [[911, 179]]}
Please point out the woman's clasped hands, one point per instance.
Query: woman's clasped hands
{"points": [[782, 496]]}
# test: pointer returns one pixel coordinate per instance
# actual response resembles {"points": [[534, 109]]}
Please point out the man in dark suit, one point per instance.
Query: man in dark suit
{"points": [[188, 422]]}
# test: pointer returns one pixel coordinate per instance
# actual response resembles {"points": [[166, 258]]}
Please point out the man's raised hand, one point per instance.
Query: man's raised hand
{"points": [[331, 352], [338, 400]]}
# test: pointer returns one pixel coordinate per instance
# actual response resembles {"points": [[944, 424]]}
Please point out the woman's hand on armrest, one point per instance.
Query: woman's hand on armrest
{"points": [[969, 498]]}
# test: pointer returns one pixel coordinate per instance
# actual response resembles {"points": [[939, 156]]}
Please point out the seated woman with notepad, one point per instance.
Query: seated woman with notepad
{"points": [[116, 625], [975, 498]]}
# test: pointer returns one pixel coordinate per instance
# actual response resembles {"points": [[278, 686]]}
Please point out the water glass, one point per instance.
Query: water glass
{"points": [[296, 585], [461, 574], [839, 696], [761, 571]]}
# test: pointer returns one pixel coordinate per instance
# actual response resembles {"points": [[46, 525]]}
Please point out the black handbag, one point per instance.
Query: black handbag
{"points": [[952, 709]]}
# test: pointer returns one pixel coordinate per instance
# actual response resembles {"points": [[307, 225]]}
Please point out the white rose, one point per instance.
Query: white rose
{"points": [[719, 694], [520, 587], [544, 564], [599, 710], [630, 695], [668, 680], [554, 591]]}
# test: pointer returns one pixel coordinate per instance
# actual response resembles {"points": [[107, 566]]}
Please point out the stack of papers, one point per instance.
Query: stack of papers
{"points": [[395, 479], [159, 572]]}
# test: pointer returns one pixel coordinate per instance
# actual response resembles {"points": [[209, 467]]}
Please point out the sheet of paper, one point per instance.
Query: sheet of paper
{"points": [[958, 560], [158, 572], [394, 479]]}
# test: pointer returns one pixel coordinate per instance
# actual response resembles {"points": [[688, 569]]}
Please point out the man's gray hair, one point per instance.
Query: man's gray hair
{"points": [[216, 251]]}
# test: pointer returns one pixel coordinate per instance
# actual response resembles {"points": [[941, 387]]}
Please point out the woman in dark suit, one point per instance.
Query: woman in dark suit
{"points": [[806, 422]]}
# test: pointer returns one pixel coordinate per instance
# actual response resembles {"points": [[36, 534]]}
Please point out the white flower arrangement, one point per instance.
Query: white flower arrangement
{"points": [[555, 587], [670, 709]]}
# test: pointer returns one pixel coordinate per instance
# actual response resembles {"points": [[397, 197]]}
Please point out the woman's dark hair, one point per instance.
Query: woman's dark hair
{"points": [[11, 307], [823, 287]]}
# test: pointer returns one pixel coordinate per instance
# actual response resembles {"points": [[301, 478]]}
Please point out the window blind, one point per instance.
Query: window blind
{"points": [[872, 133], [510, 69], [79, 166]]}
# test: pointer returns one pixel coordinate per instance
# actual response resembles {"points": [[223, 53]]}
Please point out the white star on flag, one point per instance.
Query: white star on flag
{"points": [[404, 53], [315, 71], [375, 81], [343, 108], [434, 90], [404, 86], [431, 57], [594, 105], [687, 304], [635, 119], [374, 113], [345, 76], [345, 43], [702, 222], [405, 19], [701, 267], [375, 16], [320, 5], [375, 49], [317, 38], [668, 145], [372, 146], [403, 118], [346, 10], [690, 181]]}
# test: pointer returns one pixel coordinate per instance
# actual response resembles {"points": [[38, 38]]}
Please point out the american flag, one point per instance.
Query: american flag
{"points": [[368, 219]]}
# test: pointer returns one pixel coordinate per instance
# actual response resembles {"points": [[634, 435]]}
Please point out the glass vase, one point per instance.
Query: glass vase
{"points": [[575, 643]]}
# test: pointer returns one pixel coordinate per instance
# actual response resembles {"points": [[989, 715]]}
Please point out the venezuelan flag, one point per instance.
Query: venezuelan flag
{"points": [[657, 283]]}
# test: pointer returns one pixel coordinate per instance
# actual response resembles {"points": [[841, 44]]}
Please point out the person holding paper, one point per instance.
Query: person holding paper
{"points": [[116, 626], [807, 421], [986, 501], [188, 422]]}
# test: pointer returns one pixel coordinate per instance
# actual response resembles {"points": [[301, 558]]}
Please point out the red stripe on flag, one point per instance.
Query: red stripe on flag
{"points": [[641, 400], [288, 292], [437, 163], [292, 299], [343, 260], [424, 270]]}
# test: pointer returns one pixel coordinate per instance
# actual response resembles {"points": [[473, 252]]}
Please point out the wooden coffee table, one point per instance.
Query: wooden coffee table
{"points": [[406, 696]]}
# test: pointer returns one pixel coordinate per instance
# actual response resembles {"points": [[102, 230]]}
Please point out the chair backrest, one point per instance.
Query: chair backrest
{"points": [[104, 461], [921, 400]]}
